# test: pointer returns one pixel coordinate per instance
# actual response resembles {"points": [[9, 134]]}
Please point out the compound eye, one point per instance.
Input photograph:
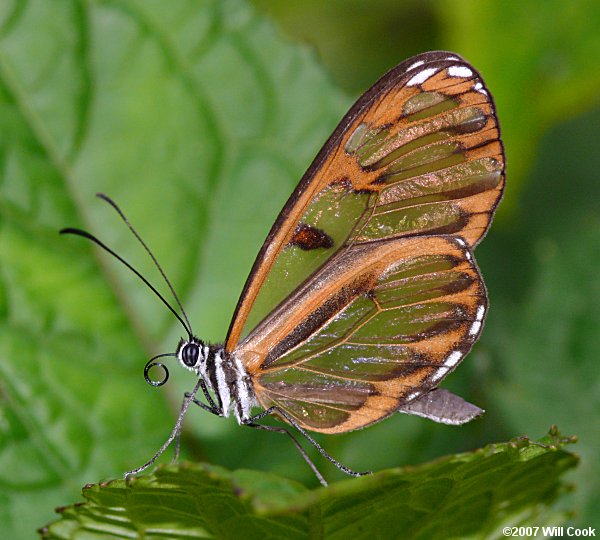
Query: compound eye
{"points": [[189, 354]]}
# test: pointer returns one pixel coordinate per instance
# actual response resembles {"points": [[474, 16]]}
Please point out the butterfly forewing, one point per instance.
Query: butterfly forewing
{"points": [[419, 153], [366, 288]]}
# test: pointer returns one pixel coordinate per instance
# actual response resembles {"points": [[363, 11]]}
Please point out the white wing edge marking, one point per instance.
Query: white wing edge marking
{"points": [[463, 244], [478, 319], [460, 71], [439, 374], [422, 76], [453, 359], [412, 396], [416, 64], [479, 88]]}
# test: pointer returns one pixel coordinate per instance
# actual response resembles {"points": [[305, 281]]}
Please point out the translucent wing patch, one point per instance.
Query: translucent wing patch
{"points": [[381, 324], [418, 154]]}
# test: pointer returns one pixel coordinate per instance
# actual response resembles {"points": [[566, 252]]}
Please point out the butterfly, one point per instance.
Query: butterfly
{"points": [[365, 294]]}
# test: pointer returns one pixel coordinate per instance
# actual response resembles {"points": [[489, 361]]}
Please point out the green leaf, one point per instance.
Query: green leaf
{"points": [[196, 118], [469, 495]]}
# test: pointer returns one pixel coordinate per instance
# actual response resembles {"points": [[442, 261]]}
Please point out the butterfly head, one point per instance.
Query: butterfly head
{"points": [[192, 353]]}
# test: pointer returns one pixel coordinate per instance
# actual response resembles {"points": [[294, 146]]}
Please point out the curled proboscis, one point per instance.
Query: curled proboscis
{"points": [[158, 382], [150, 364]]}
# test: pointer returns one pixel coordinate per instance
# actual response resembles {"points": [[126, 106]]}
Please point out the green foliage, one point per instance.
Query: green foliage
{"points": [[199, 119], [466, 495], [195, 117]]}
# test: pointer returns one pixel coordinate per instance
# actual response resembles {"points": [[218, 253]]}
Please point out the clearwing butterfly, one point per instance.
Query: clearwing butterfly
{"points": [[365, 294]]}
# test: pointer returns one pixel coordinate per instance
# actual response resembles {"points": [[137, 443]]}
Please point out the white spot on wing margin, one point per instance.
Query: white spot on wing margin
{"points": [[453, 359], [439, 374], [416, 64], [476, 326], [422, 76], [463, 244], [460, 71], [412, 396], [478, 87]]}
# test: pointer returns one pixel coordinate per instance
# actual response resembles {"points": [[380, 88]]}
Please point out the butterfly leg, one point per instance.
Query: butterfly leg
{"points": [[277, 429], [304, 433], [176, 431], [212, 408]]}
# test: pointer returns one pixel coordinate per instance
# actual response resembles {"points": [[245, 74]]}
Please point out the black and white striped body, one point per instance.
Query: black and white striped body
{"points": [[224, 374]]}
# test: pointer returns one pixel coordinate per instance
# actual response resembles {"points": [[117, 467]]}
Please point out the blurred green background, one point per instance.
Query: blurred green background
{"points": [[199, 117]]}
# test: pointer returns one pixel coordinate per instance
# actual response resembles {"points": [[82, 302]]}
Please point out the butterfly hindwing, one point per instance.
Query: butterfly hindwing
{"points": [[410, 178], [354, 342]]}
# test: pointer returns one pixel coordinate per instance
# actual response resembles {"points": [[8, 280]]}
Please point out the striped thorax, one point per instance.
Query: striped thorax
{"points": [[224, 374]]}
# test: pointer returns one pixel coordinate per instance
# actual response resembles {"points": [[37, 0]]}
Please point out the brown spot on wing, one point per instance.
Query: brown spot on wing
{"points": [[307, 237]]}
